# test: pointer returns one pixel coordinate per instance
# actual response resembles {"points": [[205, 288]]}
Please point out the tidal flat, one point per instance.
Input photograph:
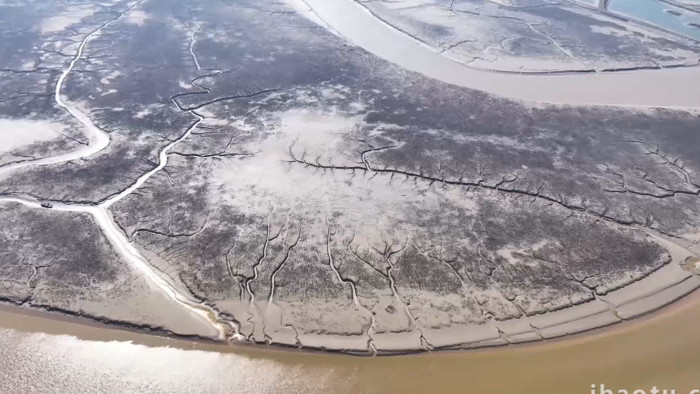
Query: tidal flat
{"points": [[267, 174]]}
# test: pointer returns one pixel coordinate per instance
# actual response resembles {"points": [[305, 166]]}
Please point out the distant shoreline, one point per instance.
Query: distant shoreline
{"points": [[669, 87]]}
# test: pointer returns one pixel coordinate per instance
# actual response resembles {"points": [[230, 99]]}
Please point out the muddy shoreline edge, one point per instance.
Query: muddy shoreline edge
{"points": [[667, 302]]}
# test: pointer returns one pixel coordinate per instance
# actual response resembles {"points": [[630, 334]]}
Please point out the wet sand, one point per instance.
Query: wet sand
{"points": [[44, 354]]}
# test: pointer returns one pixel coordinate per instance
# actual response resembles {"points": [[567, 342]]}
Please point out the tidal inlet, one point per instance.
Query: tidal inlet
{"points": [[349, 196]]}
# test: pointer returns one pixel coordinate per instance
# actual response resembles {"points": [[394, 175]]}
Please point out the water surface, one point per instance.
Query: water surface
{"points": [[664, 15]]}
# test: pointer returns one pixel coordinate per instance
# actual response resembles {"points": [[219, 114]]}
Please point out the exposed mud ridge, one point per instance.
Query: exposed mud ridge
{"points": [[242, 174]]}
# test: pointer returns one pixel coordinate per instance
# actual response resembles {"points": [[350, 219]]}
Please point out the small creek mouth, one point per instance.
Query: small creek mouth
{"points": [[660, 350], [692, 264]]}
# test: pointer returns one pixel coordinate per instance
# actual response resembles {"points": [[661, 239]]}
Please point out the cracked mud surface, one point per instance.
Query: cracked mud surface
{"points": [[261, 179]]}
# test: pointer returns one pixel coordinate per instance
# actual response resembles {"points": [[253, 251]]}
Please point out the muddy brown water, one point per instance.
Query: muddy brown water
{"points": [[41, 354]]}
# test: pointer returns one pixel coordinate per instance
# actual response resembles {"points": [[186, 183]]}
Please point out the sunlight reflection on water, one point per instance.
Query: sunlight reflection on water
{"points": [[36, 361]]}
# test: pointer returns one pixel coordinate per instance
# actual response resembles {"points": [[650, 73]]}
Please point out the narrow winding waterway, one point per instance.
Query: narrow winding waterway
{"points": [[98, 139]]}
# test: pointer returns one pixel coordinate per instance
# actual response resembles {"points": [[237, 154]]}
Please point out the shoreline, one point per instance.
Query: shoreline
{"points": [[33, 321], [659, 349], [30, 320]]}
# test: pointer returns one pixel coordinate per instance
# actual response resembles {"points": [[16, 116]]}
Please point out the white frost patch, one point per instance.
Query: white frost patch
{"points": [[137, 17], [319, 128], [216, 122], [28, 65], [520, 256], [610, 31], [148, 110], [331, 94], [108, 79], [143, 113], [72, 15], [17, 133], [266, 181], [268, 174]]}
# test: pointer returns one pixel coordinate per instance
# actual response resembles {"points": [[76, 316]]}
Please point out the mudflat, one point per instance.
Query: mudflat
{"points": [[264, 173]]}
